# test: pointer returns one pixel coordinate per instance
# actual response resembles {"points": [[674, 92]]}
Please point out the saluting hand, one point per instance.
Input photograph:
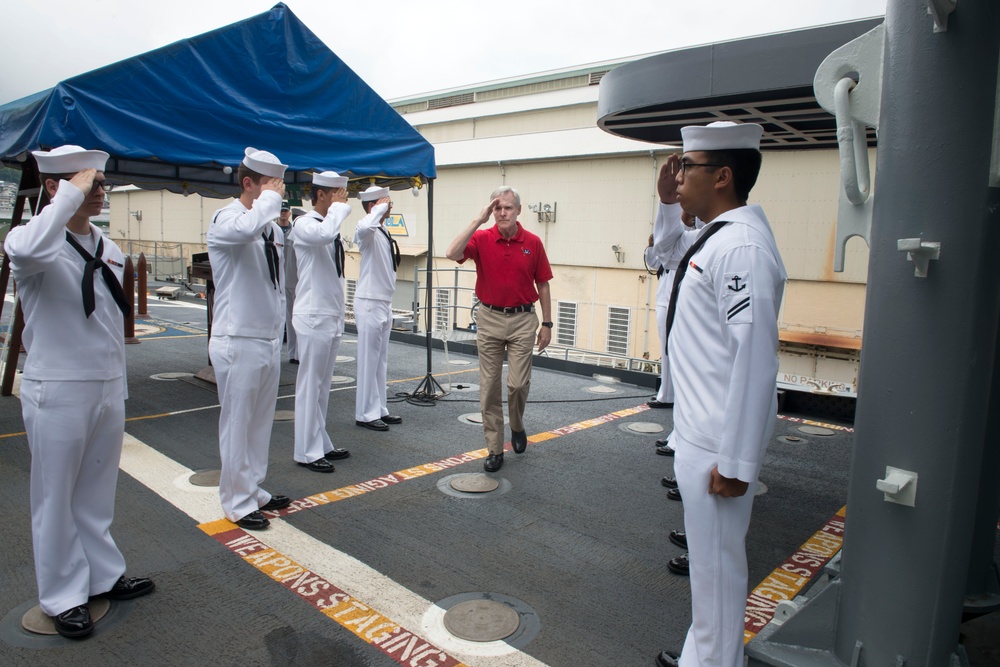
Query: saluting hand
{"points": [[84, 180], [666, 184], [484, 215], [727, 487], [274, 185], [339, 195]]}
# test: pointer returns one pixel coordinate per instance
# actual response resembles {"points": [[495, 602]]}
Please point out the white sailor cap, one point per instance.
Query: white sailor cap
{"points": [[69, 160], [374, 193], [330, 179], [722, 135], [264, 163]]}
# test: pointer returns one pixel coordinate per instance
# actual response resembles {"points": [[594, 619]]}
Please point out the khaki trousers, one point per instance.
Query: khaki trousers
{"points": [[515, 334]]}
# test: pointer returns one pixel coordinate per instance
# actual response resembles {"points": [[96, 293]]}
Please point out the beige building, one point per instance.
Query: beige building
{"points": [[590, 196]]}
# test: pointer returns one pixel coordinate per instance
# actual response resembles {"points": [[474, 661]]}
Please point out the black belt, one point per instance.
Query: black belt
{"points": [[510, 310]]}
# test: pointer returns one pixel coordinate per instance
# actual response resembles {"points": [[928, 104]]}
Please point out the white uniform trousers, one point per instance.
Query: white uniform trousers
{"points": [[75, 432], [374, 321], [319, 339], [716, 530], [246, 372], [291, 340], [666, 392]]}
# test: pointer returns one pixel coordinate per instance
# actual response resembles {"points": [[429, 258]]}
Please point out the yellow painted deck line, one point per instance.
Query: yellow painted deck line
{"points": [[366, 597], [810, 422], [788, 579]]}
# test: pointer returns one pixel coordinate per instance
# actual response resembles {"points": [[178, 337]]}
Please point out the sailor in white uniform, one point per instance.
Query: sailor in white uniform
{"points": [[245, 247], [373, 309], [290, 272], [73, 389], [319, 317], [722, 340]]}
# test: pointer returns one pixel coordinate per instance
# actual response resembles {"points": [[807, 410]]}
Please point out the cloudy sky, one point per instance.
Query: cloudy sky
{"points": [[400, 47]]}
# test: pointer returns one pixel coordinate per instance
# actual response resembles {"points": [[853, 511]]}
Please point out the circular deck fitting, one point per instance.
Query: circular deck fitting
{"points": [[459, 362], [38, 622], [341, 379], [344, 360], [481, 621], [476, 419], [205, 478], [460, 386], [792, 439], [148, 329], [170, 376], [816, 430], [761, 488], [474, 483], [609, 379], [645, 428], [601, 389], [284, 415]]}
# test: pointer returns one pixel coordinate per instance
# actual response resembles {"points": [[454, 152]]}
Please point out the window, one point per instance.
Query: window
{"points": [[619, 321], [566, 323]]}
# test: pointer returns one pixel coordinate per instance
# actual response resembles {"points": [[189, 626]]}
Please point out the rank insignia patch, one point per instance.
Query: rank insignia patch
{"points": [[736, 298]]}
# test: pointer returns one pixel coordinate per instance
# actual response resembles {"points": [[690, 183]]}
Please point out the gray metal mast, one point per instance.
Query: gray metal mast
{"points": [[929, 364]]}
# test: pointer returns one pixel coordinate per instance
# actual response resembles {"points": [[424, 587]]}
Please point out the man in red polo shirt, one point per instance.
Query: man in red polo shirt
{"points": [[512, 272]]}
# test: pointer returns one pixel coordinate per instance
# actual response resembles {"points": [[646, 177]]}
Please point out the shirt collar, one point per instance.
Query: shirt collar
{"points": [[517, 237]]}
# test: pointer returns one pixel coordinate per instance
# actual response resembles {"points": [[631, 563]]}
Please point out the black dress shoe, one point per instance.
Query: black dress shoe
{"points": [[253, 521], [679, 537], [674, 494], [336, 454], [659, 404], [664, 450], [669, 482], [662, 443], [294, 361], [319, 465], [392, 419], [668, 659], [277, 502], [493, 462], [680, 565], [375, 424], [74, 623], [519, 441], [127, 588]]}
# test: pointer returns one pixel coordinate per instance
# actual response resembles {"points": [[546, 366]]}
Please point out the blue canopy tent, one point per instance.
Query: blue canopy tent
{"points": [[179, 117]]}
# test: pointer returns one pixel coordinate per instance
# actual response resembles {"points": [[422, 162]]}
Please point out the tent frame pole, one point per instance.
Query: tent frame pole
{"points": [[429, 386]]}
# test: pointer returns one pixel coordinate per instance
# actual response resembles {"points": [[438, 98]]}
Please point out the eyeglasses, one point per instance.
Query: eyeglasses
{"points": [[687, 165], [104, 185]]}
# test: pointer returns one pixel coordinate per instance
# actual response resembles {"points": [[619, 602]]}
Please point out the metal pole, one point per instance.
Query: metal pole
{"points": [[927, 368], [429, 386]]}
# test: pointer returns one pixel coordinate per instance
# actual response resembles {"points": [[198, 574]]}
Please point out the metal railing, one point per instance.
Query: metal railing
{"points": [[165, 261]]}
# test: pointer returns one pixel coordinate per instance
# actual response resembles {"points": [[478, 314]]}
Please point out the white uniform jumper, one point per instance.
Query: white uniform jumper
{"points": [[373, 314], [291, 275], [319, 323], [246, 344], [73, 401], [658, 256], [723, 361]]}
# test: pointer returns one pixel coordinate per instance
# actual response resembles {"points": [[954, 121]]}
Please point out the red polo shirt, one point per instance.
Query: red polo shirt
{"points": [[507, 269]]}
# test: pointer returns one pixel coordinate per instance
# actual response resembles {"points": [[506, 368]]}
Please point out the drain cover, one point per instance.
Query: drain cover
{"points": [[341, 379], [481, 621], [601, 389], [344, 360], [474, 483], [459, 362], [761, 488], [205, 478], [170, 376], [37, 621], [815, 430], [645, 427], [791, 439], [284, 415]]}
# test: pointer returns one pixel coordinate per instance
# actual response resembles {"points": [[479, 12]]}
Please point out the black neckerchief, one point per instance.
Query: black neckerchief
{"points": [[679, 276], [393, 248], [271, 255], [110, 279], [338, 255]]}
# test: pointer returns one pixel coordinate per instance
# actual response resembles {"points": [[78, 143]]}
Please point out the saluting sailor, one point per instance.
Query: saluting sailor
{"points": [[373, 309], [722, 340], [319, 317], [73, 388], [245, 247]]}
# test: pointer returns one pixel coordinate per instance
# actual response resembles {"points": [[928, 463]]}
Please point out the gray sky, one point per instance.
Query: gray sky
{"points": [[400, 47]]}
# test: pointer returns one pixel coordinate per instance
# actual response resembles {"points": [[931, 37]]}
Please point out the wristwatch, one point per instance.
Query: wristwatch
{"points": [[547, 324]]}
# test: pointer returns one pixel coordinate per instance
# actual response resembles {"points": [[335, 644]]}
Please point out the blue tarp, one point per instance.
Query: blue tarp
{"points": [[172, 117]]}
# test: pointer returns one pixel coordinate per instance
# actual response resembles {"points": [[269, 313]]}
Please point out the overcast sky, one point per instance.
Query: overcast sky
{"points": [[400, 47]]}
